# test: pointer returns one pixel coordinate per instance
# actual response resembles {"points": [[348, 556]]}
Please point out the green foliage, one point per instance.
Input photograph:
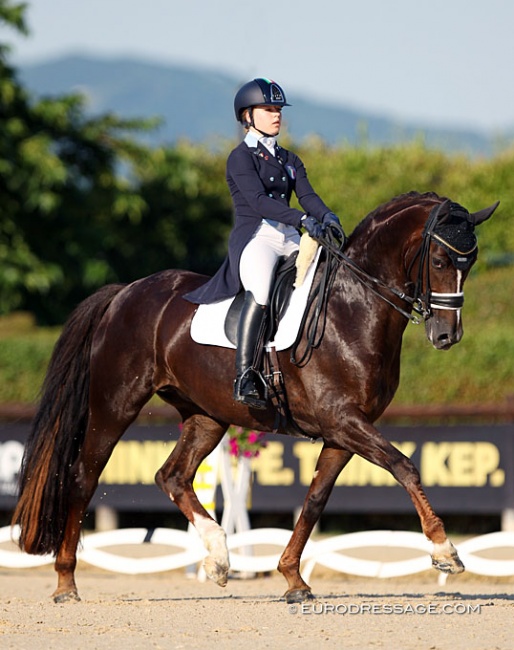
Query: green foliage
{"points": [[185, 209], [60, 182], [479, 368], [13, 15], [187, 216], [25, 351]]}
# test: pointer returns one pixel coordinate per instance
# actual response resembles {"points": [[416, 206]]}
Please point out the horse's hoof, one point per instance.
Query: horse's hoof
{"points": [[66, 597], [216, 572], [451, 565], [298, 596]]}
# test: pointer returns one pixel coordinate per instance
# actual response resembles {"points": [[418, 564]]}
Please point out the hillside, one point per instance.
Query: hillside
{"points": [[196, 104]]}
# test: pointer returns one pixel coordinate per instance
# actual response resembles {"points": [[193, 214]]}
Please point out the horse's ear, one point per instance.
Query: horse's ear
{"points": [[483, 215], [442, 212]]}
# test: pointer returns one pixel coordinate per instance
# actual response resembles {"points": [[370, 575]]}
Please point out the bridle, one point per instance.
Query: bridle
{"points": [[430, 300], [420, 304]]}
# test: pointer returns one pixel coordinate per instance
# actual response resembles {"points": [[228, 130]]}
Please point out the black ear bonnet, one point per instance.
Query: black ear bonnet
{"points": [[455, 232]]}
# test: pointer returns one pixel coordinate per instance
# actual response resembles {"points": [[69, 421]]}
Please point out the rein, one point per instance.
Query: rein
{"points": [[332, 242], [421, 303]]}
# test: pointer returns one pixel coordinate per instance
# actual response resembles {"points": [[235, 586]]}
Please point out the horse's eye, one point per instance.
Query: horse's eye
{"points": [[438, 263]]}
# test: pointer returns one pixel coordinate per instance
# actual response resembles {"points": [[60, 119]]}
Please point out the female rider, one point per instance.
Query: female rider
{"points": [[261, 177]]}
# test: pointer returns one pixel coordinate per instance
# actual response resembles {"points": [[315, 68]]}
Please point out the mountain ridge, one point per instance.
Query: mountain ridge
{"points": [[197, 104]]}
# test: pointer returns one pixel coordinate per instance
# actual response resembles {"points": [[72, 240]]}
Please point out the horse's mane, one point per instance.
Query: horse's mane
{"points": [[396, 204]]}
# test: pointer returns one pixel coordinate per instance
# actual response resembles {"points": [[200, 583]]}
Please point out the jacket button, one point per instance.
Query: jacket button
{"points": [[283, 178], [282, 196], [272, 178], [270, 195]]}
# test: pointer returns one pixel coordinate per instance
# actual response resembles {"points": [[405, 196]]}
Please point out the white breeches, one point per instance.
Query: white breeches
{"points": [[260, 257]]}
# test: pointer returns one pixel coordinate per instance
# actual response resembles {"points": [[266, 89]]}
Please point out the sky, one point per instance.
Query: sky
{"points": [[433, 62]]}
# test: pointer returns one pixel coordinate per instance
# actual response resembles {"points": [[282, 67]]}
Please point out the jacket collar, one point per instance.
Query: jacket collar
{"points": [[263, 153]]}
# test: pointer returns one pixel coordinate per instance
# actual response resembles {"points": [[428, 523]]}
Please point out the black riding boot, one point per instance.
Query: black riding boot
{"points": [[250, 329]]}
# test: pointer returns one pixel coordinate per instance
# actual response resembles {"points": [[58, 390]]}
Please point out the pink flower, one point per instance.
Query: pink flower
{"points": [[253, 437], [245, 442]]}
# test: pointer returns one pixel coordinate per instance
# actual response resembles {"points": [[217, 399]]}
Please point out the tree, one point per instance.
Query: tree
{"points": [[60, 184], [84, 203]]}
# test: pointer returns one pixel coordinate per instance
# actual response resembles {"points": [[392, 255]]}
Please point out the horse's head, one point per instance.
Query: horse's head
{"points": [[447, 253]]}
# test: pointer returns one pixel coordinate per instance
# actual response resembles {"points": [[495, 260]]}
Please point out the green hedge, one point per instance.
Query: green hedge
{"points": [[477, 370], [24, 354]]}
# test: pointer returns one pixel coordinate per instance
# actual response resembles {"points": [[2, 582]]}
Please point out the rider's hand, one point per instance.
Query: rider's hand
{"points": [[312, 226], [331, 221], [330, 218]]}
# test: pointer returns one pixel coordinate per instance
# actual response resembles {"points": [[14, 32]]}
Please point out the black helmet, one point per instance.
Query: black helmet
{"points": [[259, 92]]}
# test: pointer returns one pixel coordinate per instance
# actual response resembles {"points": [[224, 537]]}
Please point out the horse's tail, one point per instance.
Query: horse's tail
{"points": [[58, 430]]}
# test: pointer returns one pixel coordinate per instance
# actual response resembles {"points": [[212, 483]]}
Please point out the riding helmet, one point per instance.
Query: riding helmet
{"points": [[258, 92]]}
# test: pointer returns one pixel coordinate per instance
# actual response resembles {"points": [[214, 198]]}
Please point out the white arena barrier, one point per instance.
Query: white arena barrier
{"points": [[328, 552]]}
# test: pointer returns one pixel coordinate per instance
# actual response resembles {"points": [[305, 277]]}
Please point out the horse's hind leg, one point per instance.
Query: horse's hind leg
{"points": [[96, 451], [200, 435], [329, 465]]}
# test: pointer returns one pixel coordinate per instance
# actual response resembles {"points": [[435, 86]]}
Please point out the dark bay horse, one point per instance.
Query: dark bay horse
{"points": [[126, 343]]}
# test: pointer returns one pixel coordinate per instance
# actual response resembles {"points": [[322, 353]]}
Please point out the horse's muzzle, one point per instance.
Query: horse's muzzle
{"points": [[443, 331]]}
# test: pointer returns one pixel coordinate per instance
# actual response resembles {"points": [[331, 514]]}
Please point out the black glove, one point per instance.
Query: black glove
{"points": [[313, 227], [330, 218], [331, 221]]}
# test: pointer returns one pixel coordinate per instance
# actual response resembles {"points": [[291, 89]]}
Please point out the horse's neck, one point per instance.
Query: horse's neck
{"points": [[384, 247], [381, 252], [359, 301]]}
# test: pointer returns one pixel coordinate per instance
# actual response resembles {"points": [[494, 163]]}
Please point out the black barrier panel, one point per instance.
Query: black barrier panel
{"points": [[464, 469]]}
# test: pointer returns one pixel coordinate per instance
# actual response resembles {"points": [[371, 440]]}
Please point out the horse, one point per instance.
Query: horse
{"points": [[406, 260]]}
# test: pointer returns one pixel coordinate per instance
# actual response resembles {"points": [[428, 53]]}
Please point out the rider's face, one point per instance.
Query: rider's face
{"points": [[268, 119]]}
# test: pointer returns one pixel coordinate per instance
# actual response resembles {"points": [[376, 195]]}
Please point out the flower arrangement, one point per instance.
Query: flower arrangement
{"points": [[245, 443]]}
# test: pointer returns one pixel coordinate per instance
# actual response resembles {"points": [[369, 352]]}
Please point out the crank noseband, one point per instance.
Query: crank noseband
{"points": [[449, 301]]}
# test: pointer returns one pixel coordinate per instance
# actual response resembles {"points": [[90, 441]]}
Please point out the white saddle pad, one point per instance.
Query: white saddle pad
{"points": [[208, 324]]}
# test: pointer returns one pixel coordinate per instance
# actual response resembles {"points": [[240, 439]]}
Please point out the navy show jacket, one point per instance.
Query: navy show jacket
{"points": [[261, 186]]}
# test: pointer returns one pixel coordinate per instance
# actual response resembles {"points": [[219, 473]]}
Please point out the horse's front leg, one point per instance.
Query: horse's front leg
{"points": [[444, 554], [329, 465], [200, 435], [363, 439]]}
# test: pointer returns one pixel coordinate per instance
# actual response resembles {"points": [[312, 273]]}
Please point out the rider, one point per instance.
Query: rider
{"points": [[261, 177]]}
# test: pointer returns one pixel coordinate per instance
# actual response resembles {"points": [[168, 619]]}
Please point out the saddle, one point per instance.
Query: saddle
{"points": [[282, 289]]}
